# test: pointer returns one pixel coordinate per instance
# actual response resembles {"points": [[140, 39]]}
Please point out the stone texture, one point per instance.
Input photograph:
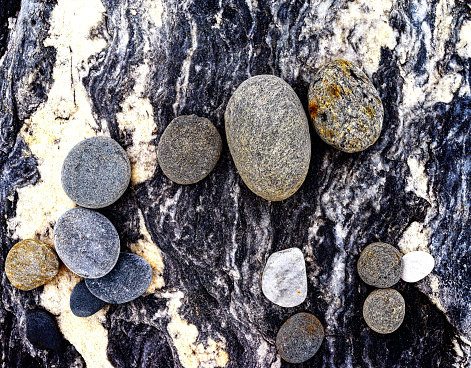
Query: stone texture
{"points": [[380, 265], [345, 107], [96, 172], [31, 263], [42, 330], [268, 136], [83, 303], [299, 338], [384, 310], [189, 149], [417, 265], [129, 279], [284, 280], [87, 242]]}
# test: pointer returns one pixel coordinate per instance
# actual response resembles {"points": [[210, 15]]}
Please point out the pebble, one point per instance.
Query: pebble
{"points": [[299, 338], [96, 172], [83, 303], [189, 149], [127, 281], [284, 279], [380, 265], [87, 242], [384, 310], [31, 263], [42, 330], [268, 136], [345, 107], [417, 265]]}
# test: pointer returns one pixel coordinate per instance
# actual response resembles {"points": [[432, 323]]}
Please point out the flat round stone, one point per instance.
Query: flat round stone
{"points": [[345, 107], [96, 172], [87, 242], [417, 265], [299, 338], [129, 279], [42, 330], [189, 149], [380, 265], [384, 310], [268, 136], [83, 303], [31, 263], [284, 279]]}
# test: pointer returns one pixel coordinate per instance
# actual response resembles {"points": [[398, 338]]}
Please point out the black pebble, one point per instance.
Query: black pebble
{"points": [[83, 303], [42, 330]]}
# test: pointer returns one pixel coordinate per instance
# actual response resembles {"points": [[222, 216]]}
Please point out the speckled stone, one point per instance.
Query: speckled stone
{"points": [[87, 242], [31, 263], [189, 149], [96, 172], [384, 310], [299, 338], [42, 330], [129, 279], [83, 303], [345, 107], [417, 265], [268, 136], [380, 265], [284, 280]]}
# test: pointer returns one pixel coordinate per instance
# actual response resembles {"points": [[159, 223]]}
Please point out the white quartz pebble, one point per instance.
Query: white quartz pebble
{"points": [[417, 265], [284, 280]]}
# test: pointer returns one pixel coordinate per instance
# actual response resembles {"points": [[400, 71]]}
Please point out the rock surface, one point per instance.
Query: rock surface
{"points": [[384, 310], [268, 136], [42, 331], [417, 265], [30, 264], [284, 280], [83, 303]]}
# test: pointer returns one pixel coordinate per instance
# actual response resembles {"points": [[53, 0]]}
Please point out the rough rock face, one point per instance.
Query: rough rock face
{"points": [[126, 69]]}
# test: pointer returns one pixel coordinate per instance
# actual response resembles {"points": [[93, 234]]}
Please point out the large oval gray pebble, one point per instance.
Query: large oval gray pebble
{"points": [[384, 310], [268, 136], [87, 242], [96, 172], [129, 279]]}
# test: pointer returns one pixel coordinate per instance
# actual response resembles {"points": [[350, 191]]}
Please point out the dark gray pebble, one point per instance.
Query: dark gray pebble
{"points": [[96, 172], [42, 330], [87, 242], [384, 310], [189, 149], [83, 303], [299, 338], [129, 279], [380, 265]]}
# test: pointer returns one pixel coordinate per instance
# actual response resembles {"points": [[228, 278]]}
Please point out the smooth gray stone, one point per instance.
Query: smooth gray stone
{"points": [[284, 279], [384, 310], [87, 242], [129, 279], [96, 172], [83, 303]]}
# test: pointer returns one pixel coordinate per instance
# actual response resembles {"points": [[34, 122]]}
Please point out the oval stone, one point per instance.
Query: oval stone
{"points": [[31, 263], [268, 136], [83, 303], [345, 107], [96, 172], [417, 265], [87, 242], [42, 330], [384, 310], [299, 338], [129, 279], [189, 149]]}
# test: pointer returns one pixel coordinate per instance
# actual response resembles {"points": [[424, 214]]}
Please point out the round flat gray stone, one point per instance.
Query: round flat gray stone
{"points": [[189, 149], [284, 279], [299, 338], [96, 172], [345, 107], [129, 279], [87, 242], [384, 310], [83, 303], [268, 136], [380, 265]]}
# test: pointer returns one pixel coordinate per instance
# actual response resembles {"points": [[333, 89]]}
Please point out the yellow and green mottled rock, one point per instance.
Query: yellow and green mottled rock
{"points": [[31, 263]]}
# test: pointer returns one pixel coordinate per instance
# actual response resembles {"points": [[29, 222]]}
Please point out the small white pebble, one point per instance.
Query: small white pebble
{"points": [[417, 265]]}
